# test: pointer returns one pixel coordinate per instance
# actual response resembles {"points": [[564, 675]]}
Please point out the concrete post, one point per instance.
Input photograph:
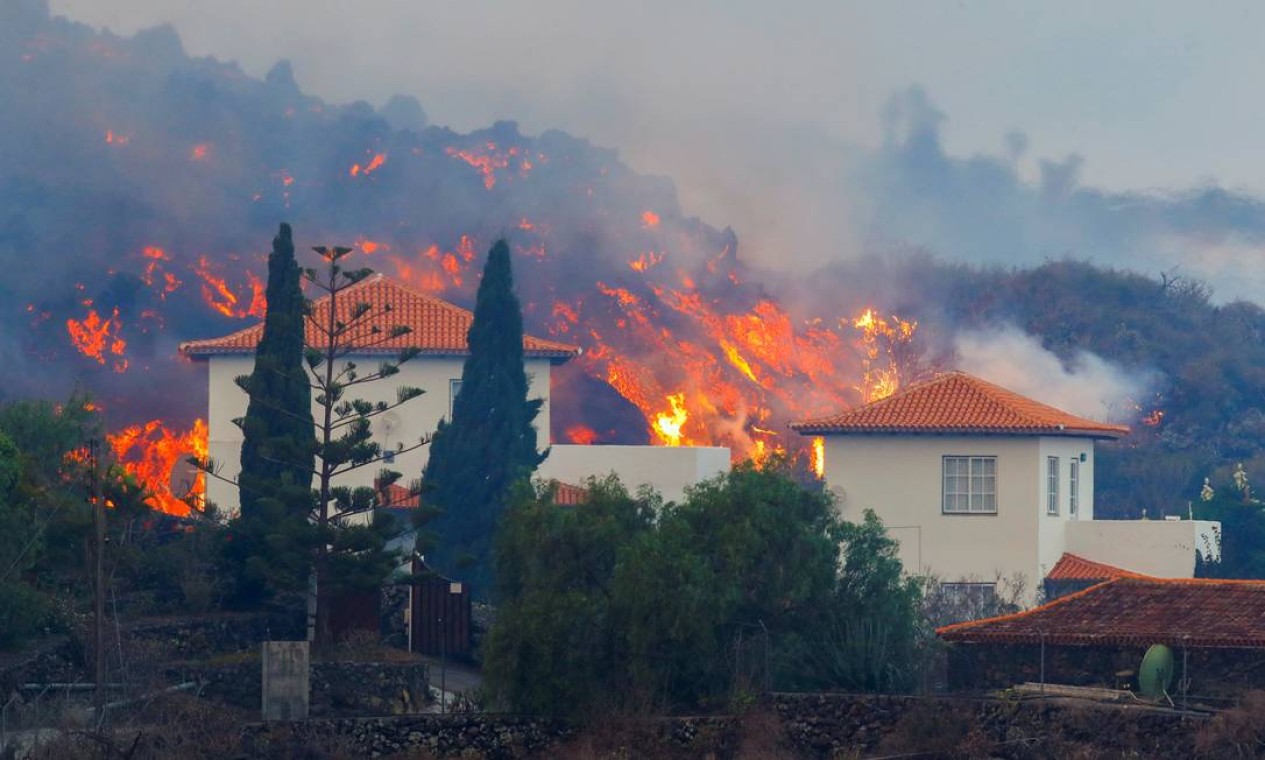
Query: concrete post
{"points": [[286, 680]]}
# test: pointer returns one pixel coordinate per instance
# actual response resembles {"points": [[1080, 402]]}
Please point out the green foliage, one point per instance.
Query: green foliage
{"points": [[554, 648], [490, 444], [24, 613], [1242, 519], [751, 583], [270, 540], [349, 555]]}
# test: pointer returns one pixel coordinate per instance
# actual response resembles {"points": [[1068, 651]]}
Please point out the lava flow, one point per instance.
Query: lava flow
{"points": [[156, 455]]}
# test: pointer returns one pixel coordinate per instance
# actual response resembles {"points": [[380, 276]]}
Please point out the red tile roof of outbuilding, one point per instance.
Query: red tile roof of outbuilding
{"points": [[438, 327], [956, 402], [1134, 612], [1071, 567]]}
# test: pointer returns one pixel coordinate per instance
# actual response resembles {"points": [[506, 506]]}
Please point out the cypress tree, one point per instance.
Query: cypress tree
{"points": [[489, 445], [278, 446]]}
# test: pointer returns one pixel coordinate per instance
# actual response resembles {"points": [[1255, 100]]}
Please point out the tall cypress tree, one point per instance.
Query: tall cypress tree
{"points": [[279, 443], [490, 444]]}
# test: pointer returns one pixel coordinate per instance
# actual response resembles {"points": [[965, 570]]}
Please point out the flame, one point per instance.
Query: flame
{"points": [[369, 168], [488, 159], [154, 276], [152, 453], [582, 435], [649, 219], [879, 336], [114, 138], [99, 339], [667, 425], [200, 152], [217, 294], [819, 457], [645, 261], [371, 246], [1154, 418]]}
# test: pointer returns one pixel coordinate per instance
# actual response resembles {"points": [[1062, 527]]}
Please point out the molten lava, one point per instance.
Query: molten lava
{"points": [[154, 454], [219, 296], [99, 339], [369, 167]]}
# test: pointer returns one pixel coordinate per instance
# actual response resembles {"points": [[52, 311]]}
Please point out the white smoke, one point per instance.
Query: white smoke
{"points": [[1087, 385]]}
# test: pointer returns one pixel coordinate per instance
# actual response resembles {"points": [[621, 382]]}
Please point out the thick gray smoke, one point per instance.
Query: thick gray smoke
{"points": [[980, 209]]}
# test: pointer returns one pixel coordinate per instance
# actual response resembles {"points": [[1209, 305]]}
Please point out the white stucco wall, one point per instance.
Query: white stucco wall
{"points": [[901, 479], [1163, 548], [417, 418], [668, 469]]}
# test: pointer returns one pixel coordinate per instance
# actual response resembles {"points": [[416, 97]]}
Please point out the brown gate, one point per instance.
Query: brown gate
{"points": [[441, 615]]}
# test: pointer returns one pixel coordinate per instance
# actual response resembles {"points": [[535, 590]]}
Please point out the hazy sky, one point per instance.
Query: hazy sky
{"points": [[720, 95]]}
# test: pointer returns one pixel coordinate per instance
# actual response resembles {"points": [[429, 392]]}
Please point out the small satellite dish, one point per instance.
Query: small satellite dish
{"points": [[1155, 675], [388, 423]]}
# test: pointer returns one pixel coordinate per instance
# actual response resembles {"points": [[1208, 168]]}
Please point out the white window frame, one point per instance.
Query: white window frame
{"points": [[1052, 486], [1074, 487], [968, 484]]}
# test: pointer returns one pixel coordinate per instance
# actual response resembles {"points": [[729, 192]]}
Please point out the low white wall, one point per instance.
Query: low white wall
{"points": [[1163, 548], [668, 469]]}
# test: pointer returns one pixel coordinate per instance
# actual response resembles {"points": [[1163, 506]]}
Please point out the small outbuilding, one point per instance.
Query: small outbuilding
{"points": [[1098, 636]]}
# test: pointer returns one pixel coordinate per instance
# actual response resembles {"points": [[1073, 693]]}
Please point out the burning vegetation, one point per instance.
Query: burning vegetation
{"points": [[680, 341]]}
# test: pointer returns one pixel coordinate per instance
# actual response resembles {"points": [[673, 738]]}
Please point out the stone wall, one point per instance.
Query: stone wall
{"points": [[804, 725], [1212, 672], [338, 688]]}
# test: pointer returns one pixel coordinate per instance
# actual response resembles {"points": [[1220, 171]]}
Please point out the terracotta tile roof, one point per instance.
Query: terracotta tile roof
{"points": [[397, 496], [1071, 567], [956, 402], [567, 495], [439, 328], [1134, 612]]}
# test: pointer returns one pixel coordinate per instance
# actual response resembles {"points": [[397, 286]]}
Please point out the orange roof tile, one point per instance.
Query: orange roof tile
{"points": [[1134, 612], [1071, 567], [567, 495], [438, 327], [956, 402], [395, 495]]}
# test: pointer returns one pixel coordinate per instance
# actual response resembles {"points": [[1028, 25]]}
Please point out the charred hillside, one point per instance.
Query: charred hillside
{"points": [[139, 187]]}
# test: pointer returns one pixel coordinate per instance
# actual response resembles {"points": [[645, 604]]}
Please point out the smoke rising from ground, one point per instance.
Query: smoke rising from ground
{"points": [[1087, 385]]}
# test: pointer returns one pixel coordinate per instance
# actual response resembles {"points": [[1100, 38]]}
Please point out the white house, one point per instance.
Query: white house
{"points": [[979, 483], [438, 329]]}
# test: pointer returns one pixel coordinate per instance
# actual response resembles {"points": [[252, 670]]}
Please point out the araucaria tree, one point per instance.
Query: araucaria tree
{"points": [[270, 542], [490, 443], [350, 552], [298, 529]]}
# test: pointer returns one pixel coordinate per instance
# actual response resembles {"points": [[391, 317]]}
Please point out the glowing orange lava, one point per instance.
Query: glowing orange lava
{"points": [[581, 434], [99, 339], [217, 294], [370, 167], [155, 454]]}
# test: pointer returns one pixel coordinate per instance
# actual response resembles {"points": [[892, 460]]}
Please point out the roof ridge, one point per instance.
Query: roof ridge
{"points": [[438, 326], [1025, 613], [956, 401]]}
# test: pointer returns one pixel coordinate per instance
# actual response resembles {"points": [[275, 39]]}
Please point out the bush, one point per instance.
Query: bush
{"points": [[24, 613]]}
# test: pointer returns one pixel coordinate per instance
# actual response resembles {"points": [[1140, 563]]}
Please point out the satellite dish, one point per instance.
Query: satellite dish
{"points": [[1155, 675], [388, 423]]}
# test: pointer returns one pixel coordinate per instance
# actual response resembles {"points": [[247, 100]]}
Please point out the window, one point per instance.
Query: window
{"points": [[970, 485], [1051, 485], [1074, 487], [454, 387], [964, 601]]}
